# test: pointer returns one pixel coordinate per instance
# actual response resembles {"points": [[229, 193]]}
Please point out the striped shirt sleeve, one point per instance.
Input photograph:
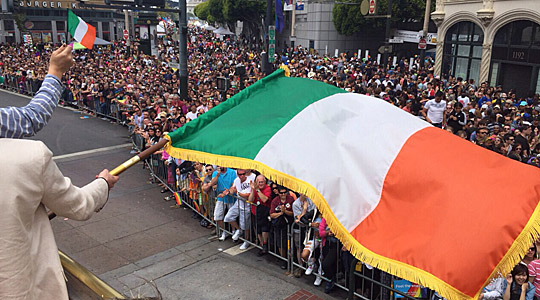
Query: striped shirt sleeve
{"points": [[18, 122]]}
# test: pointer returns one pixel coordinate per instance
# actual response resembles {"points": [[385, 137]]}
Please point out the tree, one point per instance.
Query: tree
{"points": [[201, 11], [348, 19], [215, 11], [248, 11], [171, 15], [229, 11], [19, 19]]}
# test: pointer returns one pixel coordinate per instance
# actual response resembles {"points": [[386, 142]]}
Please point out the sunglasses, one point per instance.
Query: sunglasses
{"points": [[283, 193], [209, 170], [241, 174]]}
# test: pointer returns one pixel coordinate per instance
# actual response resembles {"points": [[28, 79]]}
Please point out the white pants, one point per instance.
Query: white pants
{"points": [[242, 209], [219, 210]]}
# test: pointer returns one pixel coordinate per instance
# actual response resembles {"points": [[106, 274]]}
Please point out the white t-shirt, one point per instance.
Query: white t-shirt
{"points": [[435, 110], [244, 187], [191, 116], [464, 100]]}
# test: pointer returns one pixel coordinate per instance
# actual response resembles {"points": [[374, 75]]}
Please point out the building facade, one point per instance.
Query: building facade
{"points": [[190, 5], [313, 29], [45, 21], [497, 41]]}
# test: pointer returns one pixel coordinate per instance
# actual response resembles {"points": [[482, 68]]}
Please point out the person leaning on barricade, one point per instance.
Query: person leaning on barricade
{"points": [[303, 210], [223, 179], [260, 197], [18, 122], [282, 216], [240, 209]]}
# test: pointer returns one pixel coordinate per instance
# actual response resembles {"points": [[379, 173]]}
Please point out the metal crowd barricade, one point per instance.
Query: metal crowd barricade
{"points": [[30, 87], [360, 280]]}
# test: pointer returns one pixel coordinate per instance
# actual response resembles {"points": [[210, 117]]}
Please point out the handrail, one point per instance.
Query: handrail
{"points": [[98, 286]]}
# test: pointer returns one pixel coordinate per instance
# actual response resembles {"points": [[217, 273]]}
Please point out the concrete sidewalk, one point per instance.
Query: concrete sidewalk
{"points": [[139, 244]]}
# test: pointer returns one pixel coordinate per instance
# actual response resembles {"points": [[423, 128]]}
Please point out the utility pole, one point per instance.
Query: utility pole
{"points": [[126, 27], [182, 24], [387, 34], [425, 31], [293, 21], [265, 63]]}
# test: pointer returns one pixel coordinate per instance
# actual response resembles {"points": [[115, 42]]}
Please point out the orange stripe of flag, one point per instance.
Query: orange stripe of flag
{"points": [[89, 38], [442, 200]]}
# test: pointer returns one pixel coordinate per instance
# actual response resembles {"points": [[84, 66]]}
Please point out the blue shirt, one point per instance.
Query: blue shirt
{"points": [[18, 122], [225, 181]]}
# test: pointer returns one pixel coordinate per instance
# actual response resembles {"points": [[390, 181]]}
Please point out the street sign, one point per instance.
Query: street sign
{"points": [[271, 43], [385, 49], [395, 41], [372, 5], [364, 7], [126, 34], [422, 44], [271, 53], [272, 32]]}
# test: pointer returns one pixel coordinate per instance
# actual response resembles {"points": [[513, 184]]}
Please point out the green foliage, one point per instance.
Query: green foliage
{"points": [[244, 10], [348, 19], [201, 11], [215, 11], [172, 16], [19, 19], [230, 11]]}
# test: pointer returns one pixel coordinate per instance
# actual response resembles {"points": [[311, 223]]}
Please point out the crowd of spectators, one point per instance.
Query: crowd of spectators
{"points": [[110, 83], [127, 86]]}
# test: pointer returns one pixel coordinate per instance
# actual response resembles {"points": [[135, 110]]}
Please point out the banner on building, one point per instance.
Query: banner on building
{"points": [[287, 5], [27, 39], [299, 4], [414, 37]]}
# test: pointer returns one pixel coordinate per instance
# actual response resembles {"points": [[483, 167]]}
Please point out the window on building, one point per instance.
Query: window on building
{"points": [[518, 33], [463, 50], [60, 25], [9, 25]]}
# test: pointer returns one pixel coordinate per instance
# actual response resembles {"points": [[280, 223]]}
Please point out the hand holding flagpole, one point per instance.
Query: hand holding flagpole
{"points": [[126, 165]]}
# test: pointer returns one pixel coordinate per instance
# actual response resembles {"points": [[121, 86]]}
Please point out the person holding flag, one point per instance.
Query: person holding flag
{"points": [[19, 122], [30, 267]]}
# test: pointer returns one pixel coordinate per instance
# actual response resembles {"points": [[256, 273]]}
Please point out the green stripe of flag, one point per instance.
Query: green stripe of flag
{"points": [[72, 22], [242, 130]]}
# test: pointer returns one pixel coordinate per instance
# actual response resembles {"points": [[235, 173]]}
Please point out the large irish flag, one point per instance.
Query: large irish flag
{"points": [[82, 32], [408, 198]]}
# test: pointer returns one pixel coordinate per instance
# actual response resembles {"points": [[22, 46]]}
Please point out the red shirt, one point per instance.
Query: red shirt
{"points": [[267, 191], [288, 204]]}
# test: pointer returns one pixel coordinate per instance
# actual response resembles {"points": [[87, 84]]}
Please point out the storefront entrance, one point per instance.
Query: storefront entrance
{"points": [[515, 58], [517, 77]]}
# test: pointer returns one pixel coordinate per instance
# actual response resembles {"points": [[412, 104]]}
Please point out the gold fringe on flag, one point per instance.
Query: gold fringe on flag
{"points": [[529, 234]]}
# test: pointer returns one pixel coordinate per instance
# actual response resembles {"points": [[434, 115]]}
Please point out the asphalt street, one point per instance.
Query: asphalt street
{"points": [[69, 131], [138, 243]]}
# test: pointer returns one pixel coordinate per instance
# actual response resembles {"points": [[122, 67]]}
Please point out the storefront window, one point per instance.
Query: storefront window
{"points": [[463, 50], [9, 25]]}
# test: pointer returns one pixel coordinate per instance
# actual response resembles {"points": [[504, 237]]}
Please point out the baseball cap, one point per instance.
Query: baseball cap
{"points": [[523, 103]]}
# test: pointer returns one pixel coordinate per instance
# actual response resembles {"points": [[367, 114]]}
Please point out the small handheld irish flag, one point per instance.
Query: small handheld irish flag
{"points": [[81, 32]]}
